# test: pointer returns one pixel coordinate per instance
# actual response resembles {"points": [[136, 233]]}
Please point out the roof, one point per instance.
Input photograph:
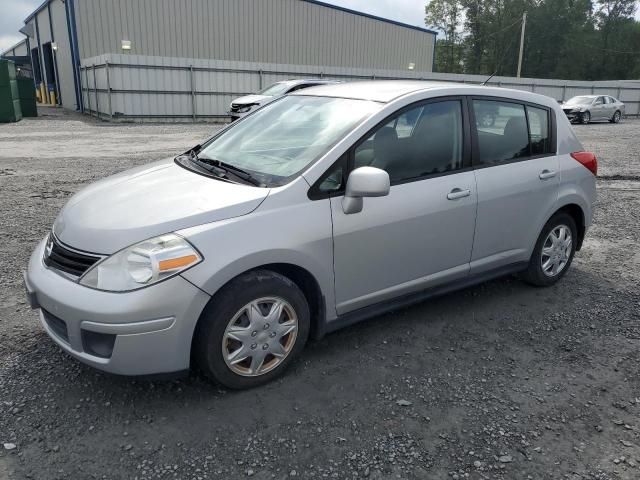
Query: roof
{"points": [[300, 81], [376, 90], [374, 17], [37, 10], [385, 91], [14, 46]]}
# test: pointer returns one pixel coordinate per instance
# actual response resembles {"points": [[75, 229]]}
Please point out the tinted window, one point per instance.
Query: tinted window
{"points": [[421, 141], [539, 130], [502, 131]]}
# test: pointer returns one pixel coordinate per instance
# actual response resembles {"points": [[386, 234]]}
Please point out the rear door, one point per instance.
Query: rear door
{"points": [[517, 177]]}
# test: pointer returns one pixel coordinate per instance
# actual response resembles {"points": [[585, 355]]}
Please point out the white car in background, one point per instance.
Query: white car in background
{"points": [[243, 105]]}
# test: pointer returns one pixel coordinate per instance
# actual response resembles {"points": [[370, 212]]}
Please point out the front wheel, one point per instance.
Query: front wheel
{"points": [[252, 330], [554, 251], [616, 117], [585, 118]]}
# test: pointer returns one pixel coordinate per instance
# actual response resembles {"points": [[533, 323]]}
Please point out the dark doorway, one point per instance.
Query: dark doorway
{"points": [[47, 56], [35, 61]]}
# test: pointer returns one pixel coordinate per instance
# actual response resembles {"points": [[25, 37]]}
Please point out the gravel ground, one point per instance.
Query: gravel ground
{"points": [[499, 381]]}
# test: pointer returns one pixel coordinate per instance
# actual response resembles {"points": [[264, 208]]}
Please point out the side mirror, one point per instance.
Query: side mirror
{"points": [[364, 182]]}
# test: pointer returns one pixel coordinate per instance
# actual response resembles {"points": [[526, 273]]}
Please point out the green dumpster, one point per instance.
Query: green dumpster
{"points": [[27, 96], [10, 110]]}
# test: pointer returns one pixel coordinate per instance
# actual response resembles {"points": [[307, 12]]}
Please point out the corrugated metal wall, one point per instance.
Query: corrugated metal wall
{"points": [[63, 58], [18, 50], [182, 89], [273, 31]]}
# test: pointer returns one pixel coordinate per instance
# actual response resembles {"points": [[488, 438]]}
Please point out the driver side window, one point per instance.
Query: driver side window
{"points": [[424, 140]]}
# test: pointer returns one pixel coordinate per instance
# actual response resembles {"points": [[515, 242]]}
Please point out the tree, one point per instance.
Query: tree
{"points": [[445, 15], [572, 39]]}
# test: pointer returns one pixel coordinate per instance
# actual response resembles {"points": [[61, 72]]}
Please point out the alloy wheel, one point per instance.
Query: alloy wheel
{"points": [[556, 250], [260, 336], [585, 118], [616, 117]]}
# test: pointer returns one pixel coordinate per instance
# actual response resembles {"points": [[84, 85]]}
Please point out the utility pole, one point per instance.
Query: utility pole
{"points": [[524, 25]]}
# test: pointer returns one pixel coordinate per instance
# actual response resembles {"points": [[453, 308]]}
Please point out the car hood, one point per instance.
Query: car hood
{"points": [[248, 99], [147, 201], [574, 105]]}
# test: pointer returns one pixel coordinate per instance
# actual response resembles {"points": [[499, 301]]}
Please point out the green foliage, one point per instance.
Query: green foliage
{"points": [[572, 39]]}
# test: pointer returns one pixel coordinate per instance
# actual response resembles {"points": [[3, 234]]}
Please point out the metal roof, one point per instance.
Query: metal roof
{"points": [[385, 91], [24, 40], [376, 90], [374, 17]]}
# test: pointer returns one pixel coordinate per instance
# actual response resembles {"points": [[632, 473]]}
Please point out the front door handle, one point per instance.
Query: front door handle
{"points": [[458, 193], [547, 174]]}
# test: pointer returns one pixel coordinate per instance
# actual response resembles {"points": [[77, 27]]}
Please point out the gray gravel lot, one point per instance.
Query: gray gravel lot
{"points": [[499, 381]]}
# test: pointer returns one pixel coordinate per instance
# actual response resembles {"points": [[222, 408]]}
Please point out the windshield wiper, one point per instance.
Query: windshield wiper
{"points": [[226, 168]]}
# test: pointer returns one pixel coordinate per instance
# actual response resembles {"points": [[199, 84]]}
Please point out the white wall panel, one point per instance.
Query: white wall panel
{"points": [[139, 92], [271, 31]]}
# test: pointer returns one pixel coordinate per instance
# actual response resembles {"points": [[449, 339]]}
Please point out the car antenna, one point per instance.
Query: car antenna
{"points": [[490, 77]]}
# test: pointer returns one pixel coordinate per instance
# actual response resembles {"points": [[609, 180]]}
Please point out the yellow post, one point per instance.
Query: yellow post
{"points": [[52, 96]]}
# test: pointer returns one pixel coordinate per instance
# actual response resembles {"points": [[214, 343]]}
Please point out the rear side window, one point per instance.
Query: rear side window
{"points": [[539, 130], [502, 131], [510, 131]]}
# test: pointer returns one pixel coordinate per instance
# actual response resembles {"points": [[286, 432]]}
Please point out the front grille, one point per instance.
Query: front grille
{"points": [[63, 258], [57, 325]]}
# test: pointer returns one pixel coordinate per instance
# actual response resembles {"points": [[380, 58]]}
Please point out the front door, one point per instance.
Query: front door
{"points": [[421, 234], [599, 109], [517, 177]]}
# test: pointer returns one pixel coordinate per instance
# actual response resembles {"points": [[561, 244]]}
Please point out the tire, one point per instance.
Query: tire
{"points": [[585, 118], [536, 273], [214, 348], [616, 117]]}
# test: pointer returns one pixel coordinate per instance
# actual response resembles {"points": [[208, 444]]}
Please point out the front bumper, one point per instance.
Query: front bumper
{"points": [[573, 116], [147, 331]]}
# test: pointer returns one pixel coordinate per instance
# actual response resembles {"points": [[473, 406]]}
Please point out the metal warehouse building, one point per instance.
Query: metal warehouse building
{"points": [[189, 58]]}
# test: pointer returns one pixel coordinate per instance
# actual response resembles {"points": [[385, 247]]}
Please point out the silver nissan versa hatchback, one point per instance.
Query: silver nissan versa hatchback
{"points": [[318, 210]]}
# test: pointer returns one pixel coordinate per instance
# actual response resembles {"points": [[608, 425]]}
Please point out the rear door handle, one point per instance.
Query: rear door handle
{"points": [[458, 193], [547, 174]]}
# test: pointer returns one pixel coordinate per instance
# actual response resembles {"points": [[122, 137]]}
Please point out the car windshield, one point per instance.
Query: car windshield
{"points": [[284, 137], [580, 101], [279, 88]]}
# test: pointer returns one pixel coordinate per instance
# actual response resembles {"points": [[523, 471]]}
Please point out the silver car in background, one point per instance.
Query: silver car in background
{"points": [[585, 108], [243, 105], [321, 209]]}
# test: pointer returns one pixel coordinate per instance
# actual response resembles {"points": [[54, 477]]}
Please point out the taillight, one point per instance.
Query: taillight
{"points": [[587, 159]]}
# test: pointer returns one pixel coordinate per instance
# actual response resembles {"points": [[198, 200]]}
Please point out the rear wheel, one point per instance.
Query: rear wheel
{"points": [[585, 118], [252, 330], [616, 117], [554, 251]]}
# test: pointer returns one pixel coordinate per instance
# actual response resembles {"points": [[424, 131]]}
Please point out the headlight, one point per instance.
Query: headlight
{"points": [[142, 264]]}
